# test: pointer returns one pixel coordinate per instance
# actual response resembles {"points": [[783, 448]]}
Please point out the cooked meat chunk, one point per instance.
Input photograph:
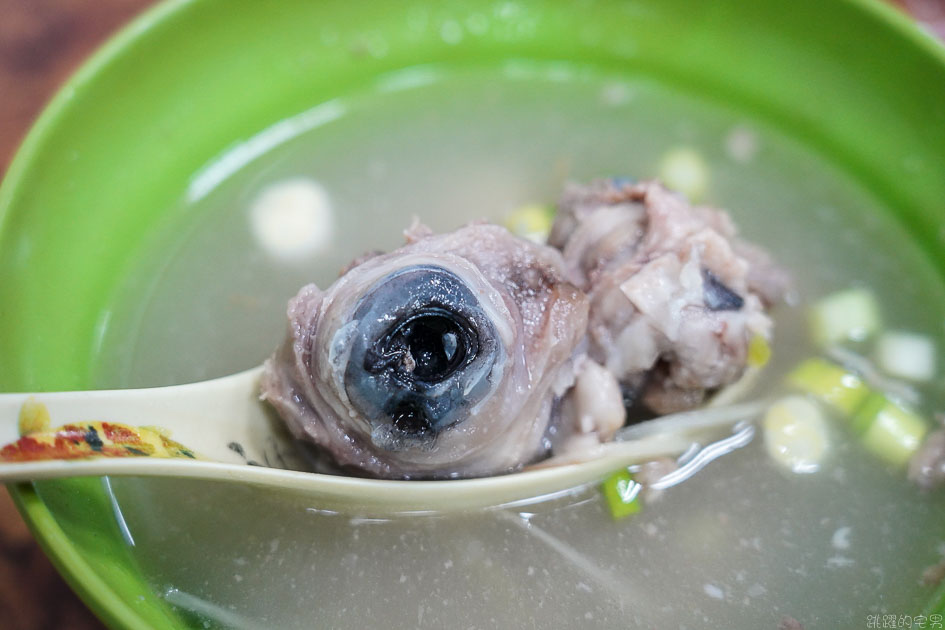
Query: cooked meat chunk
{"points": [[675, 297], [442, 359], [927, 466], [475, 353]]}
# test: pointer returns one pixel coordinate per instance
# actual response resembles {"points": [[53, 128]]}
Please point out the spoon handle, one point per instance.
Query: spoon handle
{"points": [[220, 420]]}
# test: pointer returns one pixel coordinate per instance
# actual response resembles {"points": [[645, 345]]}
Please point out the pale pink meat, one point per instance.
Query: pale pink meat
{"points": [[529, 320], [675, 297]]}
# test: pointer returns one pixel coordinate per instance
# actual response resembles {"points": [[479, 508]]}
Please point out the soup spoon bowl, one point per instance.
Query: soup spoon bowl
{"points": [[220, 430]]}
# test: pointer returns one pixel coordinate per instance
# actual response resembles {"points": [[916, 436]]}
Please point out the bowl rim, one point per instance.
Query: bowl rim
{"points": [[104, 602]]}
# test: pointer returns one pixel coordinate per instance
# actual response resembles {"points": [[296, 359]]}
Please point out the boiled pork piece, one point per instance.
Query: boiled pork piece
{"points": [[675, 297], [442, 359]]}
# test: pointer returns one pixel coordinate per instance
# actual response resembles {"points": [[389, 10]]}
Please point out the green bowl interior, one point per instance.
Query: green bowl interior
{"points": [[119, 144]]}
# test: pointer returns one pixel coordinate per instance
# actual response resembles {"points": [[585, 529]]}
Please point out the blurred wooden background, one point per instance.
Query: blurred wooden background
{"points": [[41, 43]]}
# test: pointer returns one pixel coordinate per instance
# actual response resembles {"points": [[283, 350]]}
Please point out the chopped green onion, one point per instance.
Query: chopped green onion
{"points": [[849, 315], [759, 352], [622, 494], [532, 222], [889, 430], [906, 355], [830, 384], [685, 170], [796, 434]]}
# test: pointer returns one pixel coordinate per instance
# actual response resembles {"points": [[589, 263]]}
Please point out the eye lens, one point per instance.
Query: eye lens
{"points": [[426, 347], [432, 346]]}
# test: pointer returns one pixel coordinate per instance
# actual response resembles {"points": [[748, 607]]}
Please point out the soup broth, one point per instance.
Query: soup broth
{"points": [[739, 545]]}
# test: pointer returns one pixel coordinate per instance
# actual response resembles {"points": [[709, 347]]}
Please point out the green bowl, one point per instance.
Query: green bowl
{"points": [[853, 79]]}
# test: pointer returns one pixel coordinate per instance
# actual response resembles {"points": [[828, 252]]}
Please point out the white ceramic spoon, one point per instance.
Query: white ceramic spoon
{"points": [[237, 438]]}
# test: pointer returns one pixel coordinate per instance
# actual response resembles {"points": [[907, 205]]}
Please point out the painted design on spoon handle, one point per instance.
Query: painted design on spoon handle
{"points": [[87, 439]]}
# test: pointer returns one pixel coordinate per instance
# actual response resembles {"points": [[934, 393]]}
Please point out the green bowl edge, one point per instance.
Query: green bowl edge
{"points": [[95, 593], [110, 608], [107, 605]]}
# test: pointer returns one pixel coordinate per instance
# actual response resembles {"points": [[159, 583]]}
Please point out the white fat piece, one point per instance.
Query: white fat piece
{"points": [[592, 407]]}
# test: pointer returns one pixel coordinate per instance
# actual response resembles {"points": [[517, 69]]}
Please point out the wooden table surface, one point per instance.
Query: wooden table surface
{"points": [[41, 43]]}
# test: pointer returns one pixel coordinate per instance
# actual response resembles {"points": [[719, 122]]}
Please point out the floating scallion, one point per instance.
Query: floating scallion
{"points": [[848, 315], [831, 384], [759, 351], [622, 494], [889, 429], [532, 222], [795, 434], [685, 170], [906, 355]]}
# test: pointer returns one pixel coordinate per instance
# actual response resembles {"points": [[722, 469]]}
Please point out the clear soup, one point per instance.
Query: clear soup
{"points": [[737, 546]]}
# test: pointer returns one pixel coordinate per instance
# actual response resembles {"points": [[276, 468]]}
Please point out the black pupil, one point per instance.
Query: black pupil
{"points": [[436, 346], [426, 347]]}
